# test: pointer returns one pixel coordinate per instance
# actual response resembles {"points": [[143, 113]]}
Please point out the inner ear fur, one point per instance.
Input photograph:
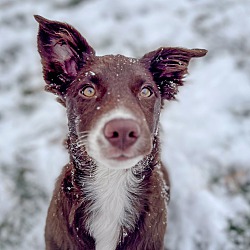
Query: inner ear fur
{"points": [[168, 66], [63, 53]]}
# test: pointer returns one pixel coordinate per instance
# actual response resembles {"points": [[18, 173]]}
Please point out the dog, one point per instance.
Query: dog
{"points": [[113, 193]]}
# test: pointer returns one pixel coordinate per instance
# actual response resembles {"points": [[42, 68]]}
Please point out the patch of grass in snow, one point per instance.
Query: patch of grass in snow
{"points": [[9, 55], [239, 227], [239, 231], [25, 207], [236, 182], [68, 3]]}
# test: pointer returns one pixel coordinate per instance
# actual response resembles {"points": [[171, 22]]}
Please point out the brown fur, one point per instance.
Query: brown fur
{"points": [[67, 60]]}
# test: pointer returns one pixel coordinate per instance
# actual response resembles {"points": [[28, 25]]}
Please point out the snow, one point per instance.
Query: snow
{"points": [[205, 134]]}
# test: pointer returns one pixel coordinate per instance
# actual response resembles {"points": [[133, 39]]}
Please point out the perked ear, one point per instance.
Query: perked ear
{"points": [[63, 52], [169, 66]]}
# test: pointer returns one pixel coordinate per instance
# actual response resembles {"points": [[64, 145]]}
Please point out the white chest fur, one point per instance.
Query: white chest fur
{"points": [[112, 205]]}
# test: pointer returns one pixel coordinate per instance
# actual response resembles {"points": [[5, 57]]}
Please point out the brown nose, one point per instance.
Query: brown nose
{"points": [[122, 133]]}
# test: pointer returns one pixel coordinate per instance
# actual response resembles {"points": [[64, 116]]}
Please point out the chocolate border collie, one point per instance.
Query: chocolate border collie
{"points": [[113, 193]]}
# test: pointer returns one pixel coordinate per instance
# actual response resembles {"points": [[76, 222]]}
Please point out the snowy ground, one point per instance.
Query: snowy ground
{"points": [[206, 138]]}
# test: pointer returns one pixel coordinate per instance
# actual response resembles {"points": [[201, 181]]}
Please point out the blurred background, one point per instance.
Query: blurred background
{"points": [[205, 134]]}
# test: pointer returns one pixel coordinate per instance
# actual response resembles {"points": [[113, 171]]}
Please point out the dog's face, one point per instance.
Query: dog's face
{"points": [[116, 106], [113, 102]]}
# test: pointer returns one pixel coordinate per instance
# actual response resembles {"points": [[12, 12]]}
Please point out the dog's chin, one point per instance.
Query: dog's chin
{"points": [[116, 162]]}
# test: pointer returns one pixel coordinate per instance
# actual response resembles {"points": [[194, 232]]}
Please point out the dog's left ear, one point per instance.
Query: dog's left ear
{"points": [[168, 67], [63, 52]]}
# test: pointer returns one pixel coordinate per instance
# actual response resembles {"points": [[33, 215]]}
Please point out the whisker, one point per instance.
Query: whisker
{"points": [[82, 138], [82, 141], [84, 132]]}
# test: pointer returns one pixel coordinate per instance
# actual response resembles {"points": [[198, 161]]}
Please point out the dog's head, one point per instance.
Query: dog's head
{"points": [[113, 102]]}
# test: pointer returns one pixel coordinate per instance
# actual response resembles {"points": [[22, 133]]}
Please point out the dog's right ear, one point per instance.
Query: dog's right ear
{"points": [[63, 52]]}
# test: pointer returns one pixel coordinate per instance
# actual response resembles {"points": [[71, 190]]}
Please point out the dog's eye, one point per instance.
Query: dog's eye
{"points": [[146, 92], [88, 91]]}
